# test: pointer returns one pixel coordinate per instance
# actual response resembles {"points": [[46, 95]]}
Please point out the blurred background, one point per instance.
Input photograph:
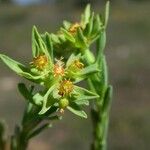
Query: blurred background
{"points": [[128, 45]]}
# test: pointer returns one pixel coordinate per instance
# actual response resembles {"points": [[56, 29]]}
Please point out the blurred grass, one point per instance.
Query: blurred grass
{"points": [[128, 58]]}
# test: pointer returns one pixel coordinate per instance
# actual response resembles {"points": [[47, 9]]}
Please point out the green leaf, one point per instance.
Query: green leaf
{"points": [[19, 68], [24, 91], [101, 42], [39, 130], [83, 94], [34, 99], [90, 27], [97, 25], [104, 72], [38, 45], [81, 41], [68, 35], [45, 100], [107, 13], [82, 102], [85, 73], [107, 99], [89, 70], [100, 80], [74, 108], [12, 64], [49, 46], [35, 50], [55, 117], [66, 24], [86, 15], [55, 39], [62, 38], [52, 110]]}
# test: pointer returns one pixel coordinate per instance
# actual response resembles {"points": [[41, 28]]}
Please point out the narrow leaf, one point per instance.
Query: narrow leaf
{"points": [[19, 68], [74, 108], [84, 94], [89, 70], [45, 100], [90, 24], [107, 13], [81, 41], [39, 130], [49, 46], [82, 102], [68, 35], [86, 15], [66, 24], [107, 99], [39, 46], [12, 64], [24, 91], [35, 50], [55, 39], [101, 42], [97, 25]]}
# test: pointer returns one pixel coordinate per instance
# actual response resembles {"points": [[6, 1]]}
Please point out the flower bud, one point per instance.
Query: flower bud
{"points": [[63, 103]]}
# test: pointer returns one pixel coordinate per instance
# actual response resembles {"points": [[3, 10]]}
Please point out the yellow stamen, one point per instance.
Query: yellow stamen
{"points": [[40, 62], [65, 87], [78, 64], [58, 69], [74, 27]]}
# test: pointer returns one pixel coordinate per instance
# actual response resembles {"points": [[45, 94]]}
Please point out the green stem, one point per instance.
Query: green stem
{"points": [[19, 140], [88, 56], [100, 126], [99, 83], [3, 135], [29, 127]]}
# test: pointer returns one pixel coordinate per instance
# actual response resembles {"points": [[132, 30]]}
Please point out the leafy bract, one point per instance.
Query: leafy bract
{"points": [[86, 15], [74, 108], [82, 93], [107, 13], [46, 107], [39, 47], [19, 68], [24, 91], [66, 24], [68, 35]]}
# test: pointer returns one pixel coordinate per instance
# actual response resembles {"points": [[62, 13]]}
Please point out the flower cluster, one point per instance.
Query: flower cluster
{"points": [[56, 74], [59, 63]]}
